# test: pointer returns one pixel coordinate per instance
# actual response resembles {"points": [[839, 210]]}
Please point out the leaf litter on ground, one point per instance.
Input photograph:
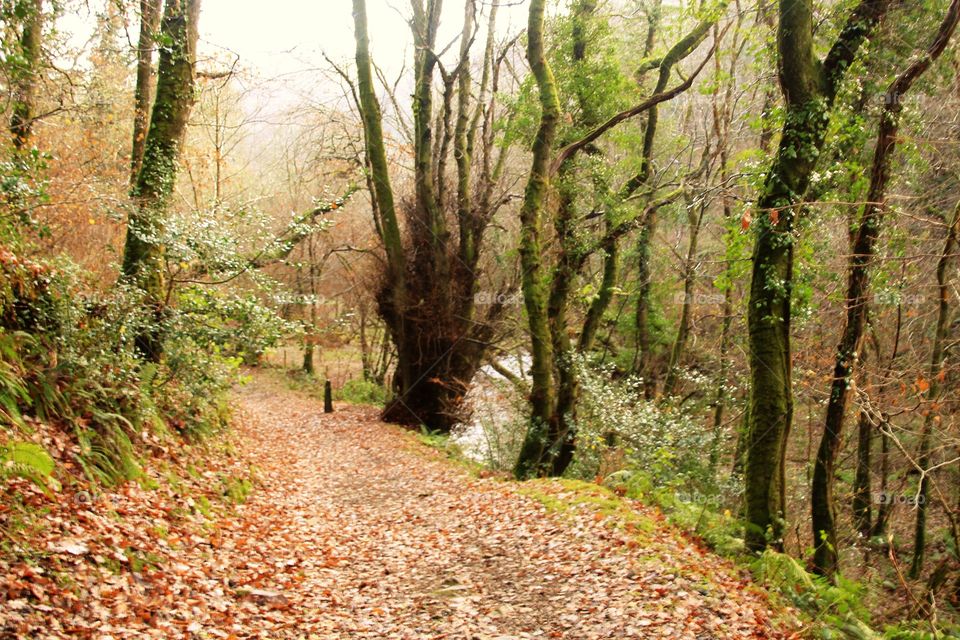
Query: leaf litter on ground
{"points": [[355, 530]]}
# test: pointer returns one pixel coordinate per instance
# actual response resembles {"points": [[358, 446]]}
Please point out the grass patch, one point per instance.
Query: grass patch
{"points": [[237, 490], [354, 391], [361, 391], [438, 441], [566, 496]]}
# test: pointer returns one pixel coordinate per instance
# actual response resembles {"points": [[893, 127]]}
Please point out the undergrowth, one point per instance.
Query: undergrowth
{"points": [[354, 391], [69, 358]]}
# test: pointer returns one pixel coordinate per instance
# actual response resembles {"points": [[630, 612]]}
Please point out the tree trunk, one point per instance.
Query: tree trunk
{"points": [[150, 12], [937, 360], [143, 253], [427, 297], [672, 380], [558, 450], [823, 518], [862, 506], [809, 88], [24, 74], [535, 294], [550, 444], [308, 367], [644, 360]]}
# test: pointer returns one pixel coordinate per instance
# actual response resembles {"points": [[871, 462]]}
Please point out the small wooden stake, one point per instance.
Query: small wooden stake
{"points": [[327, 397]]}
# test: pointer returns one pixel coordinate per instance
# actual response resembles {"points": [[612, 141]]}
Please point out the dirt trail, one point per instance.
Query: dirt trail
{"points": [[357, 531]]}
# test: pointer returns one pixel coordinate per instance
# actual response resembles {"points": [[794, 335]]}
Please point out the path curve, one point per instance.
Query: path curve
{"points": [[358, 531]]}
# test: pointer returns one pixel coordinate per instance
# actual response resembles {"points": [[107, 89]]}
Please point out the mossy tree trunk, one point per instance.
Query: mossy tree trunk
{"points": [[550, 443], [570, 263], [427, 297], [381, 192], [150, 12], [534, 280], [809, 87], [23, 71], [825, 557], [938, 359], [143, 253]]}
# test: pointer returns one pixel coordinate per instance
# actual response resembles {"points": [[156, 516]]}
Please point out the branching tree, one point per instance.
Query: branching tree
{"points": [[825, 558], [809, 88], [431, 276], [143, 263], [550, 442]]}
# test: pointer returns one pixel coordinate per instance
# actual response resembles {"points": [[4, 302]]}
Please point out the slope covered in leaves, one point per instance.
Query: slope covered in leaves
{"points": [[355, 530]]}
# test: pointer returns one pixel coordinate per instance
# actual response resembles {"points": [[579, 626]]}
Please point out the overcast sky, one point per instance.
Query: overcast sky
{"points": [[287, 36]]}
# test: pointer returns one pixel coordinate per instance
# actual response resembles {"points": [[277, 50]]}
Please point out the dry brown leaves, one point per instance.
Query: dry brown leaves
{"points": [[357, 531]]}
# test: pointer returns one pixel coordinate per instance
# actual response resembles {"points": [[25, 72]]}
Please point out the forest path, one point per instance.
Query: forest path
{"points": [[357, 530]]}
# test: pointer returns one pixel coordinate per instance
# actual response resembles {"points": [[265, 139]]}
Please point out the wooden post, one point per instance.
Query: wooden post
{"points": [[327, 397]]}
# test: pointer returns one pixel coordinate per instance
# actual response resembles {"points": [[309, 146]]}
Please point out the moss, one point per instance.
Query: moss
{"points": [[141, 561], [202, 506], [237, 490], [566, 496], [160, 531]]}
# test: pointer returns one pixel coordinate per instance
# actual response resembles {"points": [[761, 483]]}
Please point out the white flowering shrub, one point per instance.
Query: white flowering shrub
{"points": [[69, 356], [617, 427]]}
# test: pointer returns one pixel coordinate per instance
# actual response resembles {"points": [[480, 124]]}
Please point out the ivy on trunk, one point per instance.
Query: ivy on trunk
{"points": [[809, 87]]}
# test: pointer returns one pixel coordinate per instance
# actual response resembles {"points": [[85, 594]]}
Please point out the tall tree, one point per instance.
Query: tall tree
{"points": [[23, 70], [937, 373], [549, 445], [431, 276], [150, 12], [143, 254], [809, 86], [825, 557], [543, 422]]}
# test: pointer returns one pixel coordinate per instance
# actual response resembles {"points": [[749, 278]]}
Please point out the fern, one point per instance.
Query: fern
{"points": [[106, 453], [29, 461], [838, 608], [13, 388]]}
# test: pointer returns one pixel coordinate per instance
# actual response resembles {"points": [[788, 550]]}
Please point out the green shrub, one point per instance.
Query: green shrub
{"points": [[237, 490], [231, 325], [71, 359], [360, 391], [14, 393], [838, 608], [661, 441], [68, 352]]}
